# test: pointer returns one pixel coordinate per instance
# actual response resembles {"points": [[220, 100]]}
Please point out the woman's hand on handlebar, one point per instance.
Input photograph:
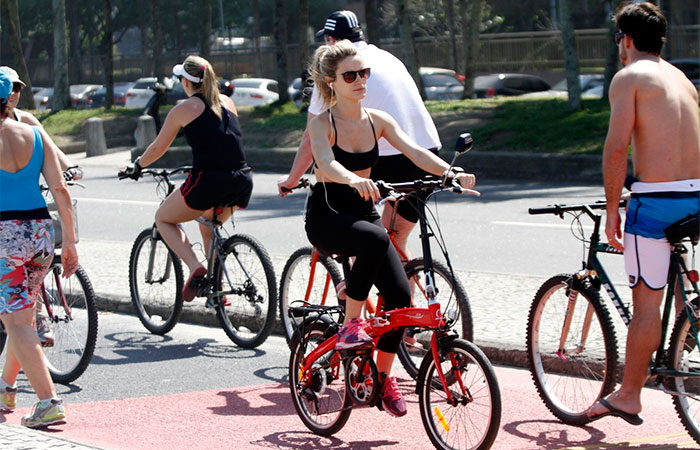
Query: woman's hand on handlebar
{"points": [[132, 170], [467, 182], [366, 188]]}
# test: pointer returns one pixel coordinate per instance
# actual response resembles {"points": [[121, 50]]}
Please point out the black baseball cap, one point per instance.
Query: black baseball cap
{"points": [[341, 25]]}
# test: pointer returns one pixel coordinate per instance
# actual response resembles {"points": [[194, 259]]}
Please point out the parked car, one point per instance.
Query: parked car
{"points": [[78, 93], [96, 99], [591, 86], [508, 84], [690, 67], [139, 94], [43, 99], [294, 91], [441, 84], [254, 91]]}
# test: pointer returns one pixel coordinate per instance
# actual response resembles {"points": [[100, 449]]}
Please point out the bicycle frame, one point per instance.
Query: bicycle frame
{"points": [[595, 274], [386, 322], [49, 310]]}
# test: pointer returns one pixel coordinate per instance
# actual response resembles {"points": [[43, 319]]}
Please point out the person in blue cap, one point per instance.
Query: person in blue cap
{"points": [[26, 252]]}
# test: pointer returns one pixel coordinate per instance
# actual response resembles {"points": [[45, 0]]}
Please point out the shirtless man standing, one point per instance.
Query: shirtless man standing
{"points": [[655, 107]]}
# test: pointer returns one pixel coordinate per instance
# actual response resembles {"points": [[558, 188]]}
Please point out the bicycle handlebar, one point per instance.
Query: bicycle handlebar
{"points": [[303, 183], [561, 209], [164, 173]]}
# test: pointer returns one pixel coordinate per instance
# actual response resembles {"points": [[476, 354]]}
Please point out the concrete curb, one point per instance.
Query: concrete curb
{"points": [[196, 313]]}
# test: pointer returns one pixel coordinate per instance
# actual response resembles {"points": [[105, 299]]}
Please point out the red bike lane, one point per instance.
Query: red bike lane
{"points": [[262, 416]]}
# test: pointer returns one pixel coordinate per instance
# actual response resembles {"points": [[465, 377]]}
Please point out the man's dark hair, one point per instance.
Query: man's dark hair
{"points": [[645, 24]]}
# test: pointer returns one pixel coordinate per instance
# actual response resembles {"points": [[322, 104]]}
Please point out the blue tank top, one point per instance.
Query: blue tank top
{"points": [[20, 195], [217, 145]]}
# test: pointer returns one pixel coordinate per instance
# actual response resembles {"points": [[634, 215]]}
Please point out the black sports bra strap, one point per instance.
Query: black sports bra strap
{"points": [[335, 130], [374, 133]]}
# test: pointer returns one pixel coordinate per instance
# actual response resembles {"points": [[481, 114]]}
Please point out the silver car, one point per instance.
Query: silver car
{"points": [[441, 84]]}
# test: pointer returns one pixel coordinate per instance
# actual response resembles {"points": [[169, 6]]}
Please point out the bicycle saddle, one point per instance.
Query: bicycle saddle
{"points": [[684, 228]]}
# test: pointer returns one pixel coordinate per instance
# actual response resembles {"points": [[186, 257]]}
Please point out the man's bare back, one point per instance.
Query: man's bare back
{"points": [[666, 123]]}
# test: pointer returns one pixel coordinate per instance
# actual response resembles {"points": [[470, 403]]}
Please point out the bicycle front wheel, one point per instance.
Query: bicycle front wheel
{"points": [[573, 369], [245, 283], [155, 281], [471, 420], [73, 320], [319, 394], [453, 303], [684, 355], [298, 284]]}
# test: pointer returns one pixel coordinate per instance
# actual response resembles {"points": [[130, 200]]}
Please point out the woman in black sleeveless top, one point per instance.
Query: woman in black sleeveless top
{"points": [[219, 174], [341, 217]]}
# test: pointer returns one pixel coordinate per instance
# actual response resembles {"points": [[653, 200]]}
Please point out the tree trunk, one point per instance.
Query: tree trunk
{"points": [[280, 27], [107, 51], [470, 40], [612, 56], [74, 34], [256, 38], [408, 46], [177, 31], [303, 33], [573, 84], [206, 28], [450, 19], [157, 41], [10, 13], [371, 15], [665, 6], [61, 91]]}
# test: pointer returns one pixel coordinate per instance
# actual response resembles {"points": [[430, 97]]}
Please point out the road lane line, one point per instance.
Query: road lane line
{"points": [[116, 201], [537, 225]]}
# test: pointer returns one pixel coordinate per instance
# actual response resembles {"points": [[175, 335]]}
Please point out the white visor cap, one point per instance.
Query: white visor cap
{"points": [[179, 71]]}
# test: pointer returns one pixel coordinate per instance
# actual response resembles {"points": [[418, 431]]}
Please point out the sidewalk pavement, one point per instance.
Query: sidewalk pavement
{"points": [[499, 302]]}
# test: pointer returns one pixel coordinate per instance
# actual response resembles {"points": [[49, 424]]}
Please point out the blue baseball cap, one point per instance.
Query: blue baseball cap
{"points": [[5, 85]]}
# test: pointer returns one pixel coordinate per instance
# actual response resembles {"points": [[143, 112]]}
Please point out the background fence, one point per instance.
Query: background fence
{"points": [[534, 52]]}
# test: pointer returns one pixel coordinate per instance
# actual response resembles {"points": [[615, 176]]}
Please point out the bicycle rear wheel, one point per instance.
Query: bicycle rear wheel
{"points": [[296, 281], [155, 281], [453, 302], [321, 398], [250, 287], [74, 324], [684, 355], [472, 419], [571, 382]]}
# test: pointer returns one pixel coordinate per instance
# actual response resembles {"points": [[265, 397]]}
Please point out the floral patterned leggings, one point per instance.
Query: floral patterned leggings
{"points": [[26, 252]]}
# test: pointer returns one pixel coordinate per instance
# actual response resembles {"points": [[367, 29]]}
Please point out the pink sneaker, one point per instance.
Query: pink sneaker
{"points": [[392, 400], [352, 335]]}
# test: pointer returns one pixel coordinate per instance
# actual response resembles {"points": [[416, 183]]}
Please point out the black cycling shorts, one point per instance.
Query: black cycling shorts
{"points": [[204, 190], [399, 169]]}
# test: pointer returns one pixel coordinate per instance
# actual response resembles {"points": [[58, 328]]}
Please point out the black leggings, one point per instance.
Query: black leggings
{"points": [[364, 237]]}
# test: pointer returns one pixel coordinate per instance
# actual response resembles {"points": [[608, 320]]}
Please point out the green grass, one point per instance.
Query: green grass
{"points": [[545, 126], [70, 121]]}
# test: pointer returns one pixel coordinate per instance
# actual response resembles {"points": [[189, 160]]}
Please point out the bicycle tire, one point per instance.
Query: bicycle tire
{"points": [[75, 328], [334, 407], [249, 317], [452, 296], [295, 281], [569, 386], [158, 303], [481, 409], [683, 354]]}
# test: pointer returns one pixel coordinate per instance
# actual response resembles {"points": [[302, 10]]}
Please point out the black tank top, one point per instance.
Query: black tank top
{"points": [[217, 145], [354, 161]]}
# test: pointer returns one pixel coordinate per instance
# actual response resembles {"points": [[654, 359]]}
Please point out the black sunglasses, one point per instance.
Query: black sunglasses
{"points": [[179, 78], [618, 37], [16, 87], [351, 76]]}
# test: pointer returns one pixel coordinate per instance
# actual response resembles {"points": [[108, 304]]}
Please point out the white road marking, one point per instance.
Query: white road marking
{"points": [[116, 201]]}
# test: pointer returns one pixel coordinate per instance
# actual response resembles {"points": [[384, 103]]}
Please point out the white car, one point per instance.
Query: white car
{"points": [[254, 91], [140, 93]]}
